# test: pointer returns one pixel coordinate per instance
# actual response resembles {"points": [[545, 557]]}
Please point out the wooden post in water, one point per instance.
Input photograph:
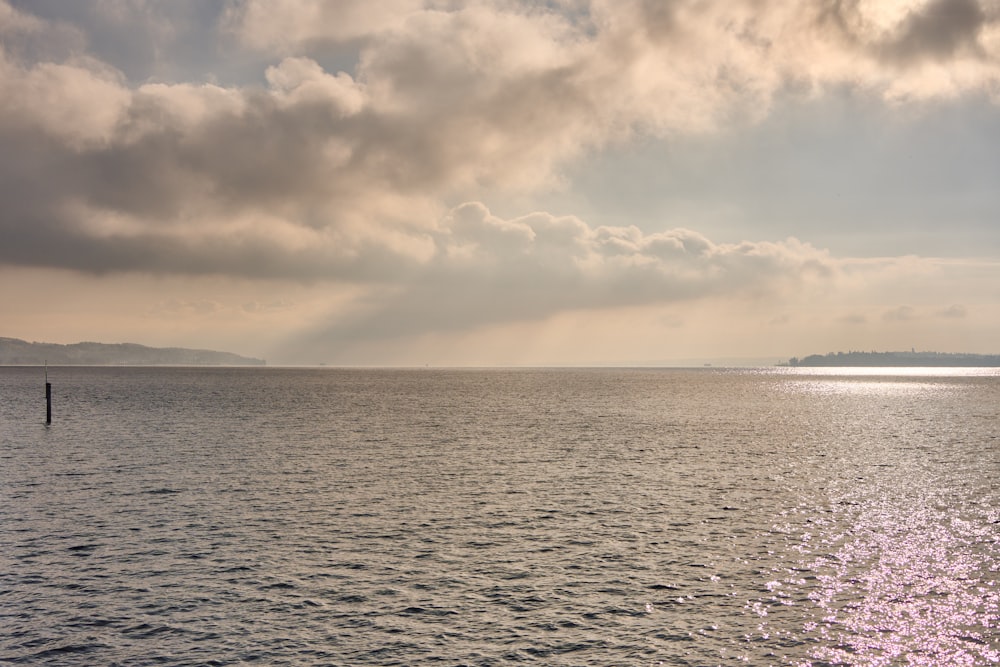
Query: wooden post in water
{"points": [[48, 397]]}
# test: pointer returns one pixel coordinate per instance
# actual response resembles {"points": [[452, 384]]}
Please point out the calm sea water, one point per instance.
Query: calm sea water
{"points": [[196, 516]]}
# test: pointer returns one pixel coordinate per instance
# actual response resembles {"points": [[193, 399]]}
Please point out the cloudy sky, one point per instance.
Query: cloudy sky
{"points": [[499, 182]]}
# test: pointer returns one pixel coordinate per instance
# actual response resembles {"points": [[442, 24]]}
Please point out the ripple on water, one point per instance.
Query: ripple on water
{"points": [[563, 517]]}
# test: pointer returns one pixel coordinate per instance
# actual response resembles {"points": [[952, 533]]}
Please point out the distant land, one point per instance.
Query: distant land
{"points": [[897, 359], [16, 352]]}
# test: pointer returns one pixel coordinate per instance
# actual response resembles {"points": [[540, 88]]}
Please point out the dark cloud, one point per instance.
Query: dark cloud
{"points": [[937, 32]]}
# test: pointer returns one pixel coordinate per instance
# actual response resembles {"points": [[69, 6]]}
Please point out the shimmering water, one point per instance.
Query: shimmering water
{"points": [[487, 517]]}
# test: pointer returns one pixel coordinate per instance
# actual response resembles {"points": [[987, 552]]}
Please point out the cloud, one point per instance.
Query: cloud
{"points": [[322, 173], [936, 31], [180, 307], [854, 318], [956, 311], [284, 26], [488, 270], [899, 314], [270, 306], [444, 103]]}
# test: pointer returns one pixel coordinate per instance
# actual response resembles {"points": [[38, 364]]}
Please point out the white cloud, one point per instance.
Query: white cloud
{"points": [[284, 26], [488, 270], [79, 103], [301, 80]]}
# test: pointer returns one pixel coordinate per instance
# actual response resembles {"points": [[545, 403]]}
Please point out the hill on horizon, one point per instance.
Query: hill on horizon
{"points": [[898, 359], [17, 352]]}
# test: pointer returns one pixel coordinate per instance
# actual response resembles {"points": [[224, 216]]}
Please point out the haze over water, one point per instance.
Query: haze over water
{"points": [[192, 516]]}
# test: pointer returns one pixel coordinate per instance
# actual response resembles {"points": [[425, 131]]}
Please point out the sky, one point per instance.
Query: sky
{"points": [[502, 182]]}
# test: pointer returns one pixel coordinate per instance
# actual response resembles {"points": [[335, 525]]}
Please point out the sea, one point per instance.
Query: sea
{"points": [[604, 516]]}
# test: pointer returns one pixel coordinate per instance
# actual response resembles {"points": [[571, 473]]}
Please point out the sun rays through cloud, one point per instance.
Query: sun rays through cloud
{"points": [[417, 178]]}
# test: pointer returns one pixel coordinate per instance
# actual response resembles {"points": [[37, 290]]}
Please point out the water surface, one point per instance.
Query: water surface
{"points": [[224, 516]]}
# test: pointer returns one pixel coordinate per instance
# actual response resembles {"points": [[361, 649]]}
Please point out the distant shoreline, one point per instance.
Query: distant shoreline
{"points": [[17, 352], [897, 359]]}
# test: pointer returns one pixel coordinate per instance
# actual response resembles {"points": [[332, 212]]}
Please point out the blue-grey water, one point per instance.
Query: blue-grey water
{"points": [[228, 516]]}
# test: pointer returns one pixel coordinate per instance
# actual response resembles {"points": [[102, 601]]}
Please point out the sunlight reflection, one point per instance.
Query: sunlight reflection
{"points": [[900, 561], [908, 588], [870, 388], [869, 382], [898, 371]]}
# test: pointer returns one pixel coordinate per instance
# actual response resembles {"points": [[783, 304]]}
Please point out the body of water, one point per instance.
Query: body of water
{"points": [[227, 516]]}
